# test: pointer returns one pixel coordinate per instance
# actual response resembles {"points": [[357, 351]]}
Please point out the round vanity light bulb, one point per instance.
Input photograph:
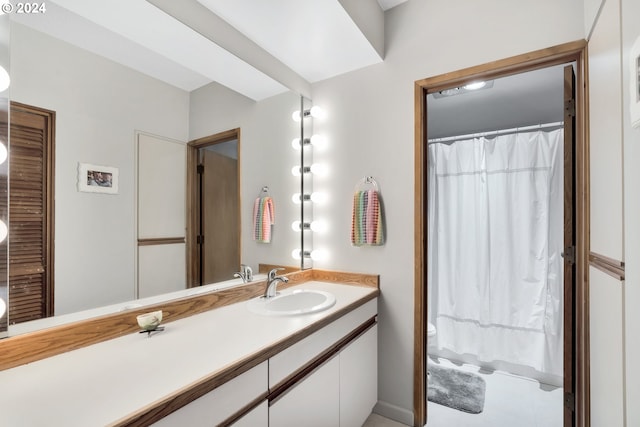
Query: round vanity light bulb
{"points": [[3, 152], [475, 85], [3, 308], [296, 198], [296, 254], [3, 231], [318, 197], [295, 171], [317, 112], [295, 225], [295, 143], [318, 226], [319, 169], [5, 81], [319, 141], [296, 116]]}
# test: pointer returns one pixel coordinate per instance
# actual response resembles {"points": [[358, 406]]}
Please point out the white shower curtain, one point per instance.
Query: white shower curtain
{"points": [[495, 239]]}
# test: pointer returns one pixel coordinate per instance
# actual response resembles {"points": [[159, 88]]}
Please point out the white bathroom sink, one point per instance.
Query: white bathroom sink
{"points": [[291, 303]]}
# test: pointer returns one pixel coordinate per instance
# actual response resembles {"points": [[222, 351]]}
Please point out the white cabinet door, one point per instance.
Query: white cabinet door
{"points": [[221, 403], [292, 358], [359, 379], [257, 417], [314, 402]]}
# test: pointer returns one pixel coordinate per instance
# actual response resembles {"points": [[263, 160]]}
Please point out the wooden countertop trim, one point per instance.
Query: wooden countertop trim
{"points": [[610, 266], [30, 347]]}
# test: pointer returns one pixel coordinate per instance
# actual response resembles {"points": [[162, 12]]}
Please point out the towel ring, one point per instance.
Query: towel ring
{"points": [[366, 182], [264, 192]]}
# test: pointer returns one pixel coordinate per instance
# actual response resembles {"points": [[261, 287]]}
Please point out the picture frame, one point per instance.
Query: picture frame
{"points": [[97, 178], [634, 86]]}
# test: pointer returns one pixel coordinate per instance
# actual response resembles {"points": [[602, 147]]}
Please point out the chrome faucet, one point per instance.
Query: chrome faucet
{"points": [[272, 283], [245, 273]]}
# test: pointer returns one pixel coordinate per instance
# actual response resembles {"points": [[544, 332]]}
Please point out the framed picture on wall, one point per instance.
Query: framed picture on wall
{"points": [[634, 77], [97, 179]]}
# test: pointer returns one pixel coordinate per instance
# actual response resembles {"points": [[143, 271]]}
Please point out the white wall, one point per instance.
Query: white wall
{"points": [[591, 11], [606, 293], [370, 128], [266, 159], [94, 233], [630, 11]]}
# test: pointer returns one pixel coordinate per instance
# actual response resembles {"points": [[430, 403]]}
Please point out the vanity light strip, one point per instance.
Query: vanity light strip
{"points": [[610, 266], [290, 382], [161, 241]]}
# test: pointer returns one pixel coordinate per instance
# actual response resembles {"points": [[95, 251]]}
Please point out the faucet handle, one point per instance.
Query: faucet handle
{"points": [[247, 271], [273, 272]]}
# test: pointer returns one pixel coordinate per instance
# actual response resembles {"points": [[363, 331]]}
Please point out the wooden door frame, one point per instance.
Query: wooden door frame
{"points": [[560, 54], [191, 195]]}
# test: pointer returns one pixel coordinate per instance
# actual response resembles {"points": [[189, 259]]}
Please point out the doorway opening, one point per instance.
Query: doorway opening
{"points": [[573, 220], [213, 208]]}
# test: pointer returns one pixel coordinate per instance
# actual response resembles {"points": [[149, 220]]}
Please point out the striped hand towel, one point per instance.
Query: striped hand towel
{"points": [[263, 219], [366, 221]]}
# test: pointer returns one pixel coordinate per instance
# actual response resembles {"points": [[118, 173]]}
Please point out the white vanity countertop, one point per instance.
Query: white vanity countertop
{"points": [[106, 382]]}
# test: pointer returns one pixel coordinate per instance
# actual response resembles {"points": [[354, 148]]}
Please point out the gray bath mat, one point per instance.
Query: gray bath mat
{"points": [[456, 389]]}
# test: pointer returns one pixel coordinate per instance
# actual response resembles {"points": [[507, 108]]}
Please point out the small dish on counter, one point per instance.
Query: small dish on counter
{"points": [[150, 321]]}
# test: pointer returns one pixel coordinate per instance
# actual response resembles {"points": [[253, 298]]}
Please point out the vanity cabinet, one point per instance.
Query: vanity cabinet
{"points": [[359, 379], [315, 401], [329, 378], [218, 405], [257, 417]]}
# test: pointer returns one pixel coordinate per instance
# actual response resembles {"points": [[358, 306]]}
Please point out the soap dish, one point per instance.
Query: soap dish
{"points": [[150, 322]]}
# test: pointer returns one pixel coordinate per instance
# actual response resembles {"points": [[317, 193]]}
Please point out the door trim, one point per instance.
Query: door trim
{"points": [[560, 54], [191, 197]]}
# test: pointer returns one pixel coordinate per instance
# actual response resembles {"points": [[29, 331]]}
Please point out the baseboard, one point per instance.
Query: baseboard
{"points": [[394, 412]]}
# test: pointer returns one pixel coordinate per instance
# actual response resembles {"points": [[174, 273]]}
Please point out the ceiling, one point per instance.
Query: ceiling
{"points": [[255, 47], [262, 48], [531, 98]]}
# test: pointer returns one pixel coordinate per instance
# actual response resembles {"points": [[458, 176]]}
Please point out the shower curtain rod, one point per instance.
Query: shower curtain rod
{"points": [[495, 132]]}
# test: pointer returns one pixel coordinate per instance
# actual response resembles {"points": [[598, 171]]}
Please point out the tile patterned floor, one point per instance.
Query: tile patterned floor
{"points": [[509, 401]]}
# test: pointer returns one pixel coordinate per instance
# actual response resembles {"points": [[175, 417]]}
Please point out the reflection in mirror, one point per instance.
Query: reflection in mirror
{"points": [[306, 159], [101, 107], [4, 194], [213, 228]]}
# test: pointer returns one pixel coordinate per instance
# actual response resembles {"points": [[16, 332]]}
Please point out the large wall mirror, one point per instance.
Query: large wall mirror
{"points": [[101, 115]]}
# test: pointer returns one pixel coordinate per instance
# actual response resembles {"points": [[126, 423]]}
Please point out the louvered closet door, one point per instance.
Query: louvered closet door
{"points": [[30, 214]]}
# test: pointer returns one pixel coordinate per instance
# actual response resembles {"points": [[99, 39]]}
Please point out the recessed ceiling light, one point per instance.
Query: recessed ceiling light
{"points": [[475, 85]]}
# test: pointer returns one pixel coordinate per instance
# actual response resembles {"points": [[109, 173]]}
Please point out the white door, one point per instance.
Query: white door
{"points": [[161, 215]]}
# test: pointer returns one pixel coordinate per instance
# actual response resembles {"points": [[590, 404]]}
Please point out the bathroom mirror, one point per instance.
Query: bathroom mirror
{"points": [[99, 107]]}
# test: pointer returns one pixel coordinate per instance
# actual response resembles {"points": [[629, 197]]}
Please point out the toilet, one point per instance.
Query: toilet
{"points": [[431, 330]]}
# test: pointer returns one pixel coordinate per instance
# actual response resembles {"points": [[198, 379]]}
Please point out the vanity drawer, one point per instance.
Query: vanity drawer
{"points": [[293, 358], [221, 403]]}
